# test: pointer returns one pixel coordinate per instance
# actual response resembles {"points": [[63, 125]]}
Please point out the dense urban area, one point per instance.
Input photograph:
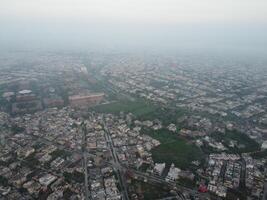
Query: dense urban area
{"points": [[132, 127]]}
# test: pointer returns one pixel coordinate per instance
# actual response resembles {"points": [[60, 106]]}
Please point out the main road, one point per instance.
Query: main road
{"points": [[116, 164]]}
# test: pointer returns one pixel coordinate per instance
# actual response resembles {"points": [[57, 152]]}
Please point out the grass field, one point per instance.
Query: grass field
{"points": [[139, 108], [249, 145], [142, 109], [147, 191], [260, 154], [174, 149]]}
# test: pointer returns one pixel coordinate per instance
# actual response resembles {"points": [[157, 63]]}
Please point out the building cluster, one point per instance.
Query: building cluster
{"points": [[50, 141], [45, 81], [233, 172], [173, 173], [255, 176], [41, 153], [224, 171], [224, 93], [85, 100]]}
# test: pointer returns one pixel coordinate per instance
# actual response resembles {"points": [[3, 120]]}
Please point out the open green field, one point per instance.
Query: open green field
{"points": [[248, 144], [142, 109], [174, 149], [138, 108], [260, 154], [148, 191]]}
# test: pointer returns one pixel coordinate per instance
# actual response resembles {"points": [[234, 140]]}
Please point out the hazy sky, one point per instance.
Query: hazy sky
{"points": [[134, 23]]}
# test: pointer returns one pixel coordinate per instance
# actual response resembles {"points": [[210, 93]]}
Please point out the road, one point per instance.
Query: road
{"points": [[242, 183], [265, 192], [121, 169], [151, 178], [84, 152], [178, 188], [116, 164]]}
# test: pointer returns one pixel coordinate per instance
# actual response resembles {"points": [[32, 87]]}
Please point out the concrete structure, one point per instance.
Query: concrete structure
{"points": [[47, 179], [173, 173], [53, 102], [87, 100], [159, 167], [264, 145]]}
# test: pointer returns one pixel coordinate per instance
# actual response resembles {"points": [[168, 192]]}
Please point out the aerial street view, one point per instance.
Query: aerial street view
{"points": [[133, 100]]}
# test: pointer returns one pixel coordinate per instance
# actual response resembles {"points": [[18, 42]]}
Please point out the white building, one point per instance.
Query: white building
{"points": [[47, 179], [264, 145], [172, 127], [159, 167], [173, 173]]}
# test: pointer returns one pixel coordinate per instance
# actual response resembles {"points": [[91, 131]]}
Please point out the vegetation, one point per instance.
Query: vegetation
{"points": [[92, 86], [186, 182], [4, 163], [157, 84], [31, 161], [174, 149], [16, 129], [244, 143], [149, 191], [67, 194], [3, 181], [38, 145], [138, 108], [142, 109], [260, 154], [59, 153], [235, 194], [75, 176]]}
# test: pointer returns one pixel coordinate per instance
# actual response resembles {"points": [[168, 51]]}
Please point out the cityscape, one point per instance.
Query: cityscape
{"points": [[133, 100], [132, 127]]}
